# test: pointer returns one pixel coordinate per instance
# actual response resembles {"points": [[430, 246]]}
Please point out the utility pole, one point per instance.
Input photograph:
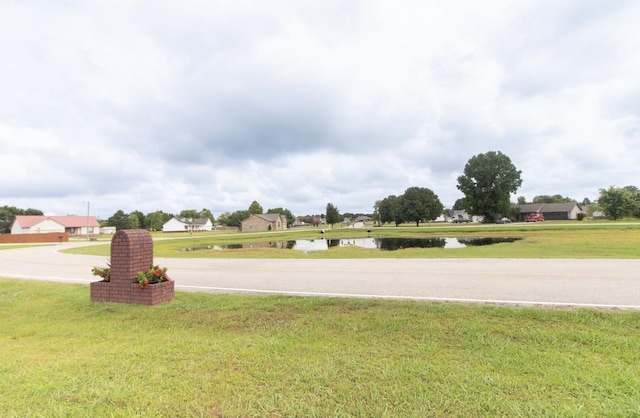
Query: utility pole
{"points": [[88, 203]]}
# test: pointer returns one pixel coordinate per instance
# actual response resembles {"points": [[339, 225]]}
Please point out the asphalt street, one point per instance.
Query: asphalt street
{"points": [[552, 282]]}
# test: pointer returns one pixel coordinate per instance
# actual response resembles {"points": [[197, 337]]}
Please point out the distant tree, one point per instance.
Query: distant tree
{"points": [[134, 221], [459, 204], [223, 218], [586, 201], [616, 202], [142, 220], [333, 215], [286, 212], [8, 215], [236, 218], [592, 209], [120, 220], [420, 204], [376, 213], [487, 184], [206, 213], [154, 221], [635, 197], [255, 208], [522, 200], [552, 199], [188, 213], [389, 208]]}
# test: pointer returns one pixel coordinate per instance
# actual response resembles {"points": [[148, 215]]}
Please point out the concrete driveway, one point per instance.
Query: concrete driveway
{"points": [[558, 282]]}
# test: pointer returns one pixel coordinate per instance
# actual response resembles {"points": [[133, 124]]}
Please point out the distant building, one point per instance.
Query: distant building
{"points": [[38, 224], [265, 222], [187, 225]]}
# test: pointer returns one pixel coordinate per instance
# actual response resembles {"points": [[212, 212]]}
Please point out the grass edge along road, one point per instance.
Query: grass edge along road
{"points": [[231, 355]]}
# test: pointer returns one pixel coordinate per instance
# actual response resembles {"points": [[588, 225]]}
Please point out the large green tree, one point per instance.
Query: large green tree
{"points": [[333, 215], [617, 202], [420, 204], [389, 210], [488, 181]]}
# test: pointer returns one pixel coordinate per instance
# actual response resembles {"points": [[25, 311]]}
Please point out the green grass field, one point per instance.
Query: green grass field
{"points": [[253, 356], [205, 355]]}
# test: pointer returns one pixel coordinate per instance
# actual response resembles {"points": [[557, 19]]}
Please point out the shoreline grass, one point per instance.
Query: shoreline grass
{"points": [[275, 356]]}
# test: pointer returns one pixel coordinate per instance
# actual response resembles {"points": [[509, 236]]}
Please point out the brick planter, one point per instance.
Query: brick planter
{"points": [[131, 252], [152, 294]]}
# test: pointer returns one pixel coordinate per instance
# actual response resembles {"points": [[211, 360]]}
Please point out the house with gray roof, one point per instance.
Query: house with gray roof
{"points": [[552, 211], [176, 224]]}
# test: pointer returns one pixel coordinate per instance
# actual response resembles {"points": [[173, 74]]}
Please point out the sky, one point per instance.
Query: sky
{"points": [[163, 105]]}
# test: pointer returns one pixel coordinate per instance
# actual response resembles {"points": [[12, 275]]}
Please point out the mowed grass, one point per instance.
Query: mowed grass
{"points": [[541, 240], [277, 356]]}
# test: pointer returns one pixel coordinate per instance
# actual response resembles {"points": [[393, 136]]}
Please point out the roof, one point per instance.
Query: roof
{"points": [[271, 217], [191, 221], [548, 207], [27, 221]]}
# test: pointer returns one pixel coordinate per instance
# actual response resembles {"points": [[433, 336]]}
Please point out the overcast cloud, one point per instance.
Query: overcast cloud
{"points": [[163, 105]]}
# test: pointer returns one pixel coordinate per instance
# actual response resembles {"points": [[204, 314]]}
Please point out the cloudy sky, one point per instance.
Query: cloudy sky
{"points": [[171, 105]]}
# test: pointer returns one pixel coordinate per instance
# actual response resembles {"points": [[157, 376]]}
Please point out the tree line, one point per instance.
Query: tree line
{"points": [[487, 182]]}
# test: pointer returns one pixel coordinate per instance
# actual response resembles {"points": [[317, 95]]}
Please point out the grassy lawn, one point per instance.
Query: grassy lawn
{"points": [[277, 356], [539, 240]]}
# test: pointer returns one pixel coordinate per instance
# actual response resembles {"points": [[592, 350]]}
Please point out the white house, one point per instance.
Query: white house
{"points": [[39, 224], [187, 225]]}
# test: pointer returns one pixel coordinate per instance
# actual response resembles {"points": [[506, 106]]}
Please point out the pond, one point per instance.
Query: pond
{"points": [[383, 244]]}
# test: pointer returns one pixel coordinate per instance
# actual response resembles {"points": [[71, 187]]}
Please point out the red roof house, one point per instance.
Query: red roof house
{"points": [[74, 225]]}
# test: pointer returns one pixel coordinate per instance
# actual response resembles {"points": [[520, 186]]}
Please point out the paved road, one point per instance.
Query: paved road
{"points": [[592, 283]]}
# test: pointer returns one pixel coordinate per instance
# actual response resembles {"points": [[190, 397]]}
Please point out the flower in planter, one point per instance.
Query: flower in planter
{"points": [[104, 272], [155, 274]]}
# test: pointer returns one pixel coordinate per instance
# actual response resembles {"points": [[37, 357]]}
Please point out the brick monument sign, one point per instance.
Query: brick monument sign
{"points": [[131, 253]]}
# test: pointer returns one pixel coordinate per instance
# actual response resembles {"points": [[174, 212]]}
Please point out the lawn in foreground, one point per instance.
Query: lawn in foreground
{"points": [[233, 355]]}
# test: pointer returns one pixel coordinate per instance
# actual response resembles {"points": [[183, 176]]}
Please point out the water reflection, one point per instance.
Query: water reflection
{"points": [[383, 244]]}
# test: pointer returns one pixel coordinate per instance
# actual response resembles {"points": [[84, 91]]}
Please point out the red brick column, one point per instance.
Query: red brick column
{"points": [[131, 252]]}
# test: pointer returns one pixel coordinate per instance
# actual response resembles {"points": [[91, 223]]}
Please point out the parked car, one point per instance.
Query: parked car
{"points": [[461, 220], [534, 217], [504, 220]]}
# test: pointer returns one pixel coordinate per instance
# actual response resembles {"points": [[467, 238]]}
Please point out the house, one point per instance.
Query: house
{"points": [[38, 224], [551, 211], [176, 224], [363, 219], [266, 222], [458, 216]]}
